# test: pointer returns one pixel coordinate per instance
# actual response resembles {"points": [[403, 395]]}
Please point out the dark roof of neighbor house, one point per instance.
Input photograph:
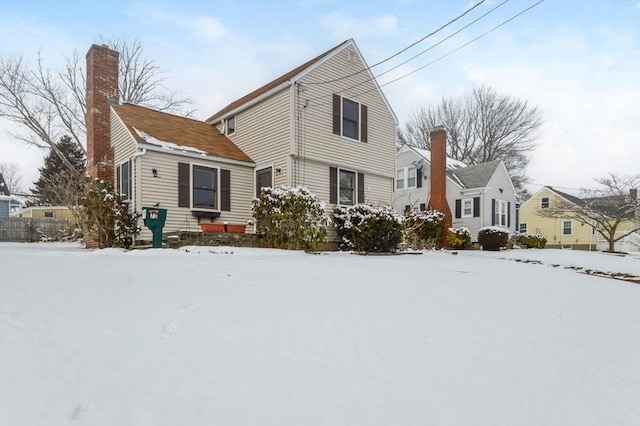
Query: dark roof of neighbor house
{"points": [[569, 197], [178, 133], [275, 83], [476, 176], [4, 190]]}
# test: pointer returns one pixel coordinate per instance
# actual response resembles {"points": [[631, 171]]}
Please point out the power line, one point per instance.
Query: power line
{"points": [[401, 51], [436, 60], [419, 54]]}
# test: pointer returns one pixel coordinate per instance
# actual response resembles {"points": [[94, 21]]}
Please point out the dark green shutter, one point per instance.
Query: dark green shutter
{"points": [[493, 212], [360, 187], [419, 178], [476, 207], [458, 209], [508, 214], [363, 123]]}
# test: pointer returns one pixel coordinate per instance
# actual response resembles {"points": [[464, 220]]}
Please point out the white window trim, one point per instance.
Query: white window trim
{"points": [[198, 208], [526, 228], [506, 212], [355, 187], [405, 180], [548, 202], [562, 222], [358, 124], [226, 125], [462, 214]]}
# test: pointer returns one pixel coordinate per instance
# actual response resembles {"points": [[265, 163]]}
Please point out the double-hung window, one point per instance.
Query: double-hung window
{"points": [[349, 118], [523, 228], [400, 178], [501, 212], [231, 125], [467, 207], [347, 187], [124, 180], [567, 227], [544, 202], [205, 187], [406, 177]]}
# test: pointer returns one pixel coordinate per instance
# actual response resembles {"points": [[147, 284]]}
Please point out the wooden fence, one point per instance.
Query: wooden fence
{"points": [[27, 229]]}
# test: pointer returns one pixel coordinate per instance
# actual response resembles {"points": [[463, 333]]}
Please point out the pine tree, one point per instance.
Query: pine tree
{"points": [[61, 180]]}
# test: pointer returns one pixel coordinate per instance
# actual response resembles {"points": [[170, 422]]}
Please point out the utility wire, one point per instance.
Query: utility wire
{"points": [[436, 60], [401, 51], [415, 56]]}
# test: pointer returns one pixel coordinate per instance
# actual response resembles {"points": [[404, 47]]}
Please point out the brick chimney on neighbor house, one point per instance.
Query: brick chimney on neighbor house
{"points": [[438, 197], [102, 91]]}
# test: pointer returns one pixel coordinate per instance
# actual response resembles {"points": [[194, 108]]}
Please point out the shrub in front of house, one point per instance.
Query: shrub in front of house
{"points": [[290, 218], [104, 216], [367, 228], [531, 240], [459, 238], [493, 238], [422, 229]]}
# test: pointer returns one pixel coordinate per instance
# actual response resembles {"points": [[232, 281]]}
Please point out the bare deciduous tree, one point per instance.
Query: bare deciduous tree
{"points": [[481, 126], [605, 208], [12, 177], [47, 104]]}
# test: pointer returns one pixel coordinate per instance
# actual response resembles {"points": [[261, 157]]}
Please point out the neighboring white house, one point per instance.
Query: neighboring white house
{"points": [[478, 196]]}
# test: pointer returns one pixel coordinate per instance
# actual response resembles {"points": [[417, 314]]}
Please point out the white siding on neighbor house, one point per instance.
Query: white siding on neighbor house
{"points": [[501, 181], [164, 190], [315, 140], [263, 132], [411, 196]]}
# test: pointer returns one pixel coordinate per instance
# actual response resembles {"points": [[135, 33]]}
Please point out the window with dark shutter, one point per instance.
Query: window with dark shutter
{"points": [[225, 190], [458, 209], [423, 207], [419, 178], [183, 185], [476, 206], [333, 185], [508, 214], [493, 212], [360, 187]]}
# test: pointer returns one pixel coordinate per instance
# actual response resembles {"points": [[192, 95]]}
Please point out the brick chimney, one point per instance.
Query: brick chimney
{"points": [[102, 90], [438, 196]]}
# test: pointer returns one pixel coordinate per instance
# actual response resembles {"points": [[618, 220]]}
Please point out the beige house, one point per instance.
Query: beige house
{"points": [[325, 125], [37, 212]]}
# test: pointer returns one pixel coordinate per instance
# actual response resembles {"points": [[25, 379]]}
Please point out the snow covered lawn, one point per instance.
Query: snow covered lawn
{"points": [[228, 336]]}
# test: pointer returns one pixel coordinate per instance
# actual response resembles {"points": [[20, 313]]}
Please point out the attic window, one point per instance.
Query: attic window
{"points": [[544, 202], [351, 56], [231, 125]]}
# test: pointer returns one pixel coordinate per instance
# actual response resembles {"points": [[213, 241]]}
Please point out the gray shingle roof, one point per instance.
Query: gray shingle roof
{"points": [[476, 176]]}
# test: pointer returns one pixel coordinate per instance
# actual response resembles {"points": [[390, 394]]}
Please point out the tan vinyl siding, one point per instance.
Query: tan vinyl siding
{"points": [[164, 190], [316, 139], [122, 143], [263, 132]]}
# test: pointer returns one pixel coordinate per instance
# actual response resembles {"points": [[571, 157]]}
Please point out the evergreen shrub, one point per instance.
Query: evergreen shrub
{"points": [[423, 228], [459, 238], [493, 238], [367, 228]]}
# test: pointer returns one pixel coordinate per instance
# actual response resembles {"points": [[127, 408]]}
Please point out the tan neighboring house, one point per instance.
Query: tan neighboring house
{"points": [[325, 125], [568, 233], [37, 212]]}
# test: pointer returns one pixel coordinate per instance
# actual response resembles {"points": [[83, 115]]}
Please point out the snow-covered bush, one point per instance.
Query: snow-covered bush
{"points": [[531, 240], [290, 218], [105, 217], [367, 228], [423, 229], [459, 238], [493, 238]]}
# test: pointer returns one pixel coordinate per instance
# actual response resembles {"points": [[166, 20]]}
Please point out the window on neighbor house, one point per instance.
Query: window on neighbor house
{"points": [[544, 202], [523, 228], [501, 212], [205, 187], [231, 125], [567, 227], [349, 118], [467, 207], [347, 187], [400, 178], [48, 214], [411, 177], [406, 177]]}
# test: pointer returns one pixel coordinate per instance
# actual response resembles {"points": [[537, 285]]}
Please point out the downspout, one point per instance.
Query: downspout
{"points": [[134, 175]]}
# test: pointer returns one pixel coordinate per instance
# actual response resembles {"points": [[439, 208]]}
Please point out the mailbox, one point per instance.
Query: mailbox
{"points": [[154, 219]]}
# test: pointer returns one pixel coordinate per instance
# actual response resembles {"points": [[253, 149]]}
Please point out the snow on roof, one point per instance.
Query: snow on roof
{"points": [[451, 163], [167, 145]]}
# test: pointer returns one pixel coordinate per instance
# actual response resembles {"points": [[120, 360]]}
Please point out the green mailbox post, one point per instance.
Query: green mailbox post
{"points": [[154, 218]]}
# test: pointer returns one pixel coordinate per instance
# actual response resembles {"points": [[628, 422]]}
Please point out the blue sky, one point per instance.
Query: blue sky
{"points": [[578, 61]]}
